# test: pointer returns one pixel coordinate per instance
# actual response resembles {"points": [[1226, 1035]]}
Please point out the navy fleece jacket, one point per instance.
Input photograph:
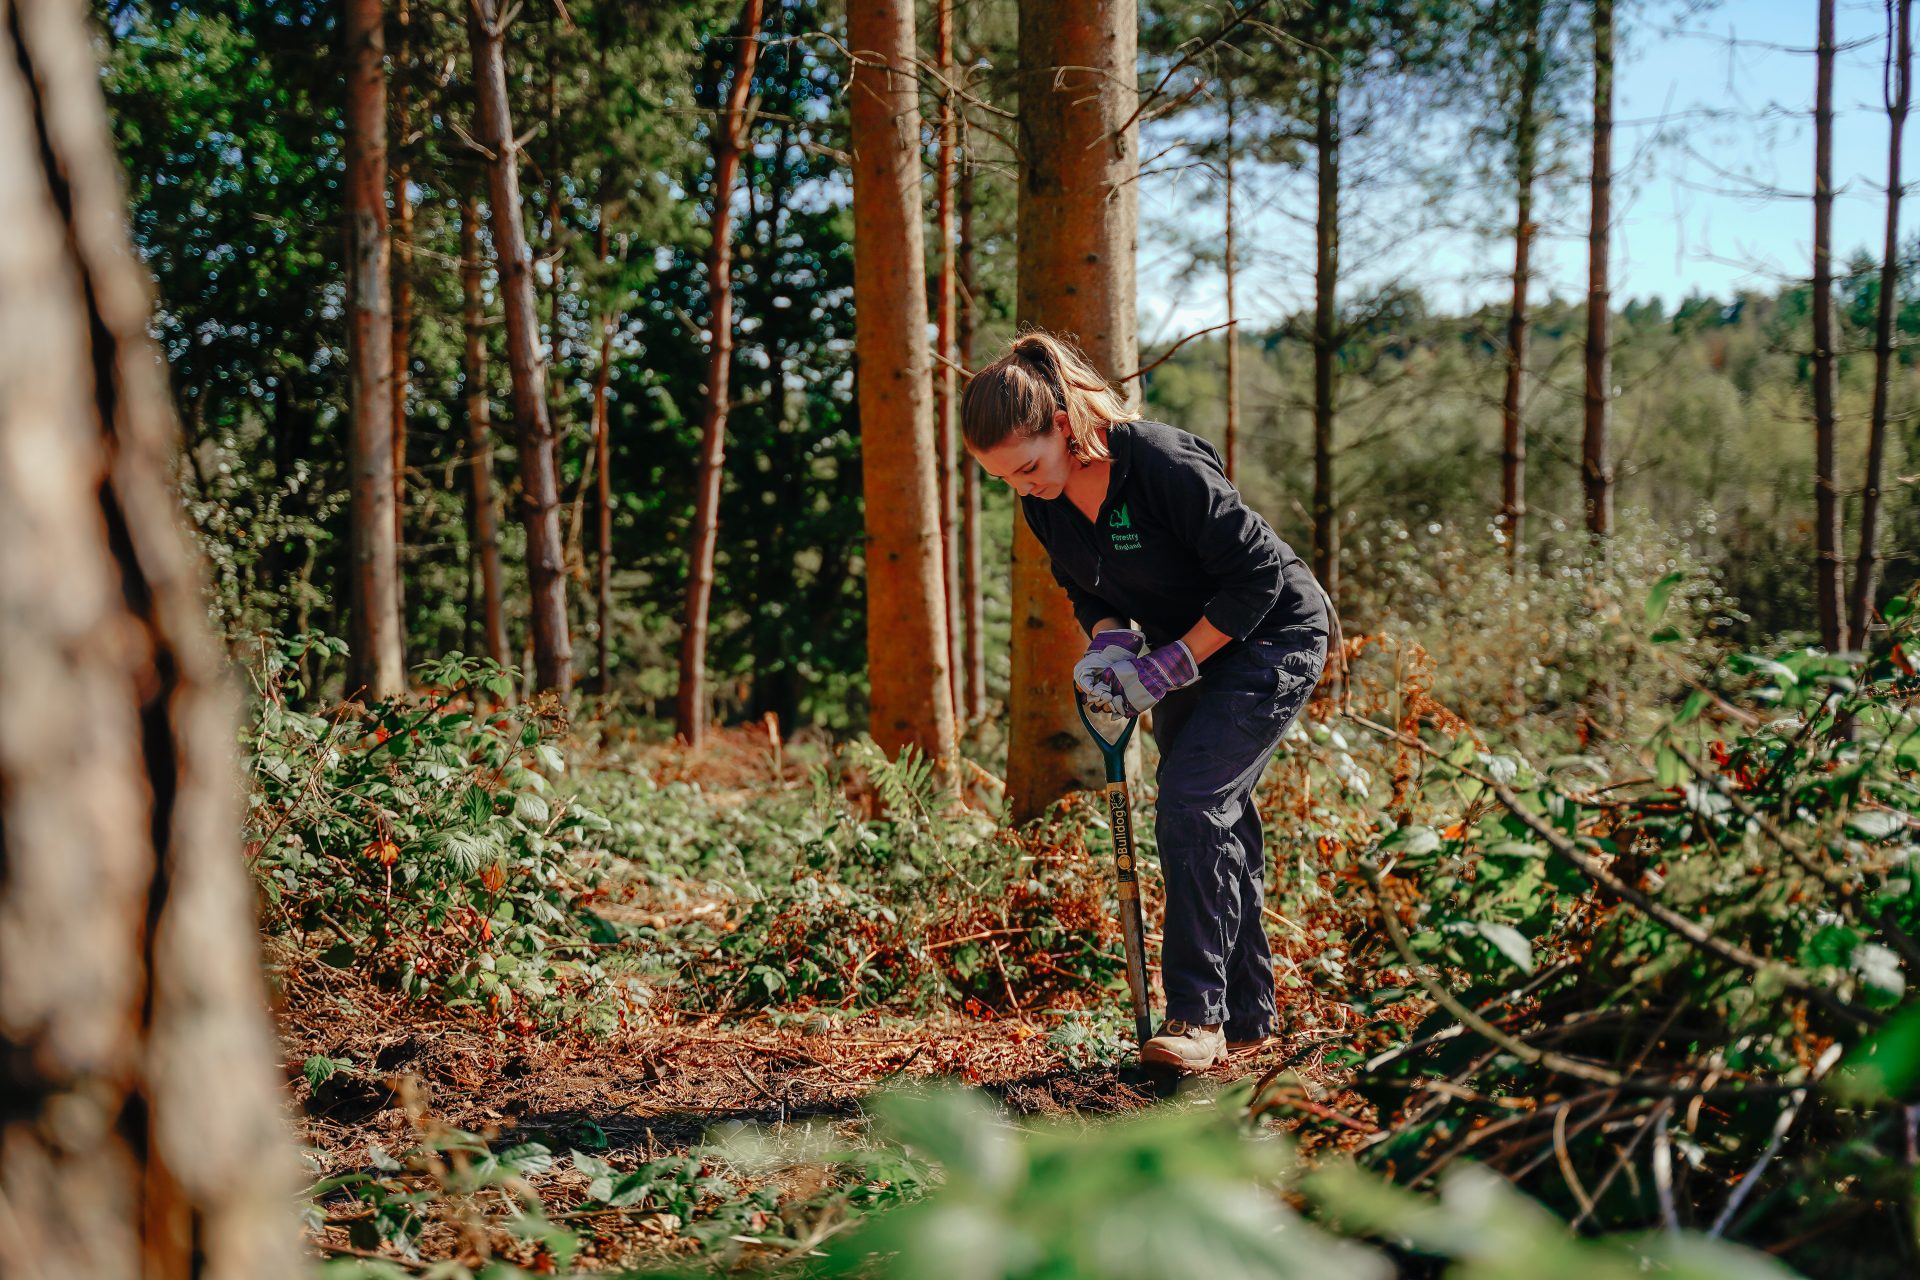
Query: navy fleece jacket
{"points": [[1173, 543]]}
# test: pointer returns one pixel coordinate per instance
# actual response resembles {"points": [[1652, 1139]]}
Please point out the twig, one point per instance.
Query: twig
{"points": [[1663, 1172], [1149, 368]]}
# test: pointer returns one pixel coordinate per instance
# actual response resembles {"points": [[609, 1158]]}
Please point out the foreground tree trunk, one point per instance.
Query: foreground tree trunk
{"points": [[907, 650], [974, 656], [1867, 567], [1513, 451], [1827, 585], [1596, 464], [690, 707], [143, 1132], [539, 475], [486, 527], [402, 300], [377, 665], [1078, 221]]}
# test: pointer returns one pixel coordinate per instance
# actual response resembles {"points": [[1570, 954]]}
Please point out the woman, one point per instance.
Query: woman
{"points": [[1194, 608]]}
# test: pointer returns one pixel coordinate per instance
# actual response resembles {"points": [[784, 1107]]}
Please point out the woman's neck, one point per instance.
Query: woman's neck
{"points": [[1087, 483]]}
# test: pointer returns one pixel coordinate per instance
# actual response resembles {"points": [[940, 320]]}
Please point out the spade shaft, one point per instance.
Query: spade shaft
{"points": [[1110, 734]]}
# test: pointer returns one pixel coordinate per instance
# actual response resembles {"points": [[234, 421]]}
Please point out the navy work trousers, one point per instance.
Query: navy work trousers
{"points": [[1216, 737]]}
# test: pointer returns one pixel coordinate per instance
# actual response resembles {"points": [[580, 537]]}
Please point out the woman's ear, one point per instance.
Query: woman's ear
{"points": [[1059, 419]]}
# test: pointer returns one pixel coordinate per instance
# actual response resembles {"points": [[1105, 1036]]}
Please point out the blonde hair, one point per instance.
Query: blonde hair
{"points": [[1018, 394]]}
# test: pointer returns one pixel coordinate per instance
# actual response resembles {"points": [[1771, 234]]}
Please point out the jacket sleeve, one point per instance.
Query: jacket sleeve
{"points": [[1237, 548], [1088, 608]]}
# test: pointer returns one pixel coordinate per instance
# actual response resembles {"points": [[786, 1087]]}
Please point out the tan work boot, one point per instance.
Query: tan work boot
{"points": [[1249, 1045], [1187, 1046]]}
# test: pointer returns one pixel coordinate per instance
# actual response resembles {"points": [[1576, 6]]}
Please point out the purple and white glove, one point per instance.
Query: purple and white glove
{"points": [[1106, 648], [1132, 685]]}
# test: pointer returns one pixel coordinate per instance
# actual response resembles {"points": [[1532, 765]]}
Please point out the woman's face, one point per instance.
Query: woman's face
{"points": [[1036, 466]]}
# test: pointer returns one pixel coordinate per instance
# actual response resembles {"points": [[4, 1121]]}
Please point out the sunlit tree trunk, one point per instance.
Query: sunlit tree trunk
{"points": [[1513, 451], [377, 665], [907, 650], [486, 526], [946, 383], [1866, 569], [1829, 588], [1078, 222], [1233, 333], [974, 657], [539, 478], [690, 707], [402, 298], [144, 1131], [1596, 464], [1326, 334]]}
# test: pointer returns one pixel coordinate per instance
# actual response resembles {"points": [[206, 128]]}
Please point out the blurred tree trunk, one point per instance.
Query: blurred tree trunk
{"points": [[143, 1133], [1233, 332], [1526, 125], [946, 384], [690, 707], [1596, 465], [1078, 222], [539, 480], [377, 665], [1899, 99], [974, 657], [402, 298], [907, 649], [1326, 335], [1828, 572], [603, 495], [486, 529]]}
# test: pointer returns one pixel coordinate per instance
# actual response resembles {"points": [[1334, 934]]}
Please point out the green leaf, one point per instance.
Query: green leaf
{"points": [[1896, 609], [1887, 1065], [1411, 841], [1696, 703], [1662, 591], [530, 809], [1668, 767], [1508, 941], [1876, 824], [1667, 635], [320, 1068]]}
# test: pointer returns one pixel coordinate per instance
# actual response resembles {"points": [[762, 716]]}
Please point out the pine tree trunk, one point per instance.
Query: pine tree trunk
{"points": [[1596, 463], [377, 665], [946, 383], [486, 528], [143, 1133], [907, 649], [1233, 332], [539, 478], [1867, 567], [690, 707], [1078, 222], [603, 502], [1513, 452], [402, 300], [974, 656], [1326, 335], [1828, 585]]}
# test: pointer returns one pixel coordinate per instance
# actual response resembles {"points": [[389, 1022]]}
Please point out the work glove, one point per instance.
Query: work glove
{"points": [[1106, 648], [1132, 685]]}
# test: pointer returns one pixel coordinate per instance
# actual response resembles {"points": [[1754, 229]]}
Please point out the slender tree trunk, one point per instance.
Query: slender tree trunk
{"points": [[1596, 463], [1513, 453], [1233, 332], [603, 497], [946, 384], [402, 299], [486, 528], [1867, 567], [690, 707], [974, 660], [143, 1133], [1829, 588], [1326, 335], [539, 478], [378, 667], [907, 649], [1078, 223]]}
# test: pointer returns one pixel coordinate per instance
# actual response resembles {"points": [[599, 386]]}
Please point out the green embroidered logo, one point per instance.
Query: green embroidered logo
{"points": [[1122, 519]]}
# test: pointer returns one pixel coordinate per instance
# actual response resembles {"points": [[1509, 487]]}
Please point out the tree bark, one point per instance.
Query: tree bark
{"points": [[603, 497], [907, 649], [486, 528], [946, 384], [974, 656], [1326, 334], [377, 665], [539, 477], [690, 707], [402, 300], [1233, 333], [143, 1133], [1513, 452], [1078, 222], [1867, 567], [1596, 463], [1828, 573]]}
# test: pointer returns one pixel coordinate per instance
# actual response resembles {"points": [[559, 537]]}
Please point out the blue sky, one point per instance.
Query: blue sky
{"points": [[1701, 125]]}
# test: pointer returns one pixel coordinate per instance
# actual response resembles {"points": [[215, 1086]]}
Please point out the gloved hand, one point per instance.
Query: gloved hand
{"points": [[1132, 685], [1106, 648]]}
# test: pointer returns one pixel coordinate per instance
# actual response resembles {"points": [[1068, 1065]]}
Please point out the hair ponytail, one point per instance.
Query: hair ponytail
{"points": [[1019, 393]]}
